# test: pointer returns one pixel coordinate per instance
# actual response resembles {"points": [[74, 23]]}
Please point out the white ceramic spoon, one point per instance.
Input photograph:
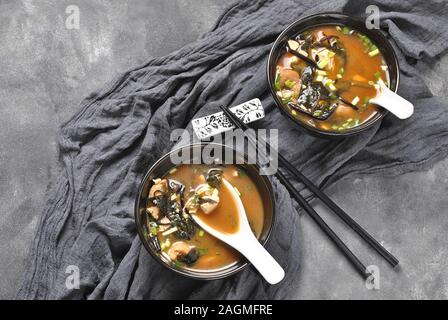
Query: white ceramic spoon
{"points": [[245, 241], [391, 101]]}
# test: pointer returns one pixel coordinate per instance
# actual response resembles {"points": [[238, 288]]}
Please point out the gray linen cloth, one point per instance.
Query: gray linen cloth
{"points": [[106, 148]]}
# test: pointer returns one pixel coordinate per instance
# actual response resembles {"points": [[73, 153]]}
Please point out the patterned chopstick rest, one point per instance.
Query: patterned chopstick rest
{"points": [[217, 123]]}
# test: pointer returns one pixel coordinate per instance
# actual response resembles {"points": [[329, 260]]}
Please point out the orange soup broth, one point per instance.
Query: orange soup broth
{"points": [[214, 253]]}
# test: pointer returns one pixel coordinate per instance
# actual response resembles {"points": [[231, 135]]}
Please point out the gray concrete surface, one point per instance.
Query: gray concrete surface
{"points": [[46, 70]]}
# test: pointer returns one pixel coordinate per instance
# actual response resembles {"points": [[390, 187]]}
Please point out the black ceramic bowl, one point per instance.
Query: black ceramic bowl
{"points": [[161, 168], [332, 18]]}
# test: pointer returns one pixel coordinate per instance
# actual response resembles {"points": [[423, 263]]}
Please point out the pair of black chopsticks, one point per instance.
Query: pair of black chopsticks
{"points": [[359, 266]]}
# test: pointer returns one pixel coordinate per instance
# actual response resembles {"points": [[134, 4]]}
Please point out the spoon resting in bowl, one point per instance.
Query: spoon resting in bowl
{"points": [[244, 241], [385, 98], [392, 102]]}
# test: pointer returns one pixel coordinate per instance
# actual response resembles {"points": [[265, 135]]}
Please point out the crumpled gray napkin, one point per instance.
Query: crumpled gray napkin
{"points": [[121, 130]]}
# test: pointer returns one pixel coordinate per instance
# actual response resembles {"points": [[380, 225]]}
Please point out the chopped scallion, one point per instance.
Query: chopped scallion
{"points": [[290, 84], [277, 81], [166, 244], [366, 100], [178, 264], [355, 100], [374, 52], [319, 78], [321, 72], [323, 63]]}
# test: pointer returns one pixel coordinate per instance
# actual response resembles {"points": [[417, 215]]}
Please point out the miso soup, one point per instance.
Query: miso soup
{"points": [[349, 66], [197, 189]]}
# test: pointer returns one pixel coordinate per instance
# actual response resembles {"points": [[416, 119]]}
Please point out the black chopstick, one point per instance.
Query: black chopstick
{"points": [[359, 266], [309, 61], [393, 261], [347, 103], [322, 196]]}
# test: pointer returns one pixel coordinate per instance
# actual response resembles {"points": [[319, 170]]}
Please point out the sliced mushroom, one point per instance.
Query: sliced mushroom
{"points": [[320, 36], [160, 185], [294, 45]]}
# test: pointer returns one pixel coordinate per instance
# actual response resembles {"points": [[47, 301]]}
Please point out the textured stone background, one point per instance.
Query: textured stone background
{"points": [[45, 72]]}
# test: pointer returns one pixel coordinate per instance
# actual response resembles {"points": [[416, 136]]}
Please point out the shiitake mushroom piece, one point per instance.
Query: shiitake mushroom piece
{"points": [[214, 177]]}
